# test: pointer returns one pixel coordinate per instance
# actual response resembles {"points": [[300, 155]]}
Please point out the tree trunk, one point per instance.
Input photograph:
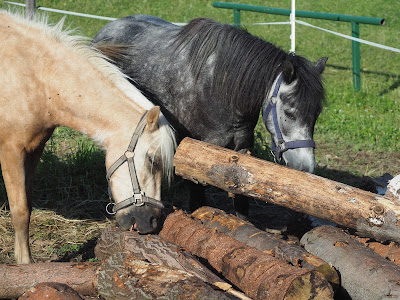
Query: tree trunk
{"points": [[119, 277], [248, 234], [259, 275], [123, 277], [17, 279], [154, 249], [371, 215], [51, 291], [365, 275], [390, 251]]}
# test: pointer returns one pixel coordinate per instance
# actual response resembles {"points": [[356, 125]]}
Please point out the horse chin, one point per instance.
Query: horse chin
{"points": [[301, 159], [145, 219]]}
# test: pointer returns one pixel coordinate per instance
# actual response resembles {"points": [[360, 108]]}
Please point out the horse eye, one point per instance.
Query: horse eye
{"points": [[289, 115], [153, 161]]}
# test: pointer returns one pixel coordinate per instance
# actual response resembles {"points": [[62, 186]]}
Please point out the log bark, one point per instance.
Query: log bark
{"points": [[390, 251], [119, 277], [51, 290], [124, 277], [154, 249], [248, 234], [364, 274], [17, 279], [259, 275], [370, 214]]}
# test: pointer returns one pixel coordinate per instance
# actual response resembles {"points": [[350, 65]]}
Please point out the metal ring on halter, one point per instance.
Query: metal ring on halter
{"points": [[110, 211]]}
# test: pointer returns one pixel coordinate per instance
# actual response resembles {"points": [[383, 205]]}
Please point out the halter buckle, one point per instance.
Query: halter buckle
{"points": [[139, 199], [282, 146]]}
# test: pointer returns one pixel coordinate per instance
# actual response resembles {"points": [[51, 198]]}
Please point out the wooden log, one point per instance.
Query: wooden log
{"points": [[17, 279], [370, 214], [364, 274], [151, 248], [51, 290], [259, 275], [390, 251], [119, 275], [124, 277], [154, 249], [248, 234]]}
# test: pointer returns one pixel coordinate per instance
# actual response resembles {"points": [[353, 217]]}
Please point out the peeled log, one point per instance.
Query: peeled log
{"points": [[248, 234], [370, 214], [259, 275], [364, 274]]}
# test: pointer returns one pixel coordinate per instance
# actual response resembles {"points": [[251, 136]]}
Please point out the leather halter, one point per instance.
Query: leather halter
{"points": [[282, 144], [138, 198]]}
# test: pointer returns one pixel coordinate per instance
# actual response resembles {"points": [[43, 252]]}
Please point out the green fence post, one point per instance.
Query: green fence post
{"points": [[236, 17], [355, 32]]}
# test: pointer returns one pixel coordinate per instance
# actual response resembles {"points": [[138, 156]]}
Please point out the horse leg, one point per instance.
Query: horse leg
{"points": [[18, 168], [241, 206], [12, 164], [197, 195]]}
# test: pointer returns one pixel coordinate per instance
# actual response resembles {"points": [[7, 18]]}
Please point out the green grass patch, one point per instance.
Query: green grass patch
{"points": [[351, 126]]}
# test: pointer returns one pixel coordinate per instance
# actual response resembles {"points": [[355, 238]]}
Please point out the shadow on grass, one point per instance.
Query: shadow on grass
{"points": [[394, 86], [75, 187]]}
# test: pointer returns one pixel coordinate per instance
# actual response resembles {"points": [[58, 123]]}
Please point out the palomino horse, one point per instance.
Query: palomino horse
{"points": [[50, 78], [211, 80]]}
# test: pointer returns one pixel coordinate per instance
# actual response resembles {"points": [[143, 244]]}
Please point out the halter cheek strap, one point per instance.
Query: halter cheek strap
{"points": [[138, 198], [282, 144]]}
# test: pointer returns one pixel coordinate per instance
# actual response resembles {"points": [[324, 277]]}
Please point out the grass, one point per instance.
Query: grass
{"points": [[357, 134]]}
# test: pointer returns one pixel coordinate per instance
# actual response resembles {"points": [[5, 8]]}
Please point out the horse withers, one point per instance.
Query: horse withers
{"points": [[211, 81], [51, 78]]}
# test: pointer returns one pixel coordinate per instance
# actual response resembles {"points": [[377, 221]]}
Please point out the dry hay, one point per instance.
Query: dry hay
{"points": [[52, 237]]}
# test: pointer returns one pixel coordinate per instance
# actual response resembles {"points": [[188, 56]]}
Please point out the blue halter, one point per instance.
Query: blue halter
{"points": [[282, 145]]}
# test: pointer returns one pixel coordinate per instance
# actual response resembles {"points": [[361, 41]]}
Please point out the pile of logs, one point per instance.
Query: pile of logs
{"points": [[213, 255]]}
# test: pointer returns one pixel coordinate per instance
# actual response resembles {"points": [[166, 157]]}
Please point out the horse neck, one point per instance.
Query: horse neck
{"points": [[90, 103]]}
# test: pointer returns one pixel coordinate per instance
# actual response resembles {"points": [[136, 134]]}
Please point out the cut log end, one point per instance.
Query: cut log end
{"points": [[311, 285]]}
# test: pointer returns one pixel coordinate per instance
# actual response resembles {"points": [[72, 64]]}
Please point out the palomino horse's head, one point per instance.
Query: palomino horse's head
{"points": [[135, 179], [291, 110]]}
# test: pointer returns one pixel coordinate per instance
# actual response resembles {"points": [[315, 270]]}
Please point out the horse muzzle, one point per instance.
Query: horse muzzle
{"points": [[144, 218], [302, 159]]}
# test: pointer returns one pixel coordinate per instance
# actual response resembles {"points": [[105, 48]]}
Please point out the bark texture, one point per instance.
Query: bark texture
{"points": [[123, 277], [259, 275], [154, 249], [17, 279], [52, 291], [248, 234], [365, 275], [370, 214]]}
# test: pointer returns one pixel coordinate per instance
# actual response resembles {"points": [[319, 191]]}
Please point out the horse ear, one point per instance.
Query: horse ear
{"points": [[152, 118], [320, 64], [288, 71]]}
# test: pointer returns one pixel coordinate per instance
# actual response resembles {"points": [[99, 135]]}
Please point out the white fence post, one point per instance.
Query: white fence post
{"points": [[30, 9], [293, 28]]}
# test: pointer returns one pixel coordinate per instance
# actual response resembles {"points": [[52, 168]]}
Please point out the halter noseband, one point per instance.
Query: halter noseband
{"points": [[282, 145], [138, 198]]}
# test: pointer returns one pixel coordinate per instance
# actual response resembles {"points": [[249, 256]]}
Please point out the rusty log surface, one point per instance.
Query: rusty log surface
{"points": [[364, 274], [259, 275], [370, 214], [250, 235], [17, 279], [124, 277]]}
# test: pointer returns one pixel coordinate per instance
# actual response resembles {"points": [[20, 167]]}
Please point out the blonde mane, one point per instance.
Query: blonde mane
{"points": [[80, 45]]}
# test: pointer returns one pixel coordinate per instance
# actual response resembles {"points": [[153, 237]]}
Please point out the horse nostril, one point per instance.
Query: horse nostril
{"points": [[153, 222]]}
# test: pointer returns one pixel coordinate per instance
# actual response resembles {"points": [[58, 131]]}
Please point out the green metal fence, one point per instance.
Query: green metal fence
{"points": [[354, 20]]}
